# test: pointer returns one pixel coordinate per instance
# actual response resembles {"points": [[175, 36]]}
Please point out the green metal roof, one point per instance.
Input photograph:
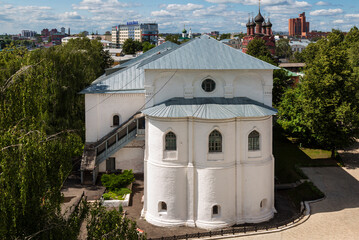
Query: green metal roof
{"points": [[210, 108]]}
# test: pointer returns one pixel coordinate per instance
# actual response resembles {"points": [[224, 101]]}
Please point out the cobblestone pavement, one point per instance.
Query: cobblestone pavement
{"points": [[337, 216]]}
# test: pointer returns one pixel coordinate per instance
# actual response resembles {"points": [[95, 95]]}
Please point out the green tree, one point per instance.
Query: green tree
{"points": [[257, 48], [147, 46], [283, 49], [41, 125], [131, 46], [281, 83], [297, 57], [324, 108], [113, 224], [172, 38], [225, 36]]}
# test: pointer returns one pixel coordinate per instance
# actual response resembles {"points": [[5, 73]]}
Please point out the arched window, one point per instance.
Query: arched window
{"points": [[116, 120], [215, 210], [170, 140], [253, 141], [215, 142]]}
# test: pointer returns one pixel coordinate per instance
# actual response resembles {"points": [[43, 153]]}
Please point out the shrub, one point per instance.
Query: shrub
{"points": [[115, 182]]}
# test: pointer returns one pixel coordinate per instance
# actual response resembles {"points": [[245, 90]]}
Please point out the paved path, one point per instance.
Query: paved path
{"points": [[72, 191], [337, 216]]}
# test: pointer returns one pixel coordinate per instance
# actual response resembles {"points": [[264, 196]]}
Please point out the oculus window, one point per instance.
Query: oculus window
{"points": [[208, 85]]}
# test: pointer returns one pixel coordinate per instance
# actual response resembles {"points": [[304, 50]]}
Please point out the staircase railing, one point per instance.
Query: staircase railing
{"points": [[118, 138]]}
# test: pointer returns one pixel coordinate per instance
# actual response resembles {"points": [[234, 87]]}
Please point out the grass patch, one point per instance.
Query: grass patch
{"points": [[304, 192], [116, 195], [289, 157], [317, 153]]}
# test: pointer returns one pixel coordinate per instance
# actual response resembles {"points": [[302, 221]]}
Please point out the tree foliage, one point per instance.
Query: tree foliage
{"points": [[172, 38], [147, 46], [257, 48], [225, 36], [131, 46], [324, 108], [283, 49], [41, 130], [281, 79], [113, 224]]}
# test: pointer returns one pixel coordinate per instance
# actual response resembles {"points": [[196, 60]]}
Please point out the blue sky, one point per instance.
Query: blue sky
{"points": [[200, 15]]}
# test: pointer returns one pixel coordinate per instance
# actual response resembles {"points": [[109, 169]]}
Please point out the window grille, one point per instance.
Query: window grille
{"points": [[208, 85], [215, 142], [170, 140], [253, 141]]}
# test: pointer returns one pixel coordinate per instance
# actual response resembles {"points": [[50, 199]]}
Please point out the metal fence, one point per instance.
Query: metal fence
{"points": [[234, 230]]}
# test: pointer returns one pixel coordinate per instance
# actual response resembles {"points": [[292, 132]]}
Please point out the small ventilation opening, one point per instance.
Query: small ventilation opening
{"points": [[215, 210], [263, 204], [162, 207]]}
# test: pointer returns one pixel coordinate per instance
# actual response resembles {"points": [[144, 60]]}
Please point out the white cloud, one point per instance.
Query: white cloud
{"points": [[71, 15], [253, 2], [321, 3], [352, 15], [97, 5], [216, 10], [326, 12], [184, 7], [163, 13], [338, 21], [292, 8]]}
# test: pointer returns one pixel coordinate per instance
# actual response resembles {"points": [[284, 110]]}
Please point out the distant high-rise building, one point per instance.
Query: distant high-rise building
{"points": [[69, 33], [63, 30], [28, 33], [141, 32], [298, 26]]}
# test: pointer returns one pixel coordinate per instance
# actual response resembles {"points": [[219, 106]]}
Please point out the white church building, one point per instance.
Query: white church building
{"points": [[196, 119]]}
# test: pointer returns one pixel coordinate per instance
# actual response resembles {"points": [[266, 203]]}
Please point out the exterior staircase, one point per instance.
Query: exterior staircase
{"points": [[96, 153]]}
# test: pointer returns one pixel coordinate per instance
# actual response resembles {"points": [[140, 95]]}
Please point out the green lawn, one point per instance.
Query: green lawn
{"points": [[289, 157]]}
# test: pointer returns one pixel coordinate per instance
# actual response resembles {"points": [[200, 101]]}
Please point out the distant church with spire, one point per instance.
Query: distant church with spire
{"points": [[259, 28], [185, 35]]}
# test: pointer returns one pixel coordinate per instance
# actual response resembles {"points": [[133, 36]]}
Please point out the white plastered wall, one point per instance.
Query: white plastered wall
{"points": [[100, 109], [254, 84], [193, 182], [129, 157]]}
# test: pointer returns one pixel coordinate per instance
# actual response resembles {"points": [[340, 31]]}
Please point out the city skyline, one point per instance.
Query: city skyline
{"points": [[199, 15]]}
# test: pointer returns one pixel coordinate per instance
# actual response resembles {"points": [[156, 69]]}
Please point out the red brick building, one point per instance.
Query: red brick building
{"points": [[298, 26], [259, 28]]}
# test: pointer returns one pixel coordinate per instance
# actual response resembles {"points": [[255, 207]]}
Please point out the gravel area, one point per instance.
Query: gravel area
{"points": [[284, 207]]}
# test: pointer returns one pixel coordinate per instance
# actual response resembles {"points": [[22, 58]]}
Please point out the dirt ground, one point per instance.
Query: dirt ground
{"points": [[285, 210]]}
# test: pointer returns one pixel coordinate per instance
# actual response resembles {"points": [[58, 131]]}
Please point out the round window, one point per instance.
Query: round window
{"points": [[208, 85]]}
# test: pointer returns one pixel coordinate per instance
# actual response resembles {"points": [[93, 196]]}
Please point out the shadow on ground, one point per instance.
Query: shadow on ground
{"points": [[284, 207]]}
